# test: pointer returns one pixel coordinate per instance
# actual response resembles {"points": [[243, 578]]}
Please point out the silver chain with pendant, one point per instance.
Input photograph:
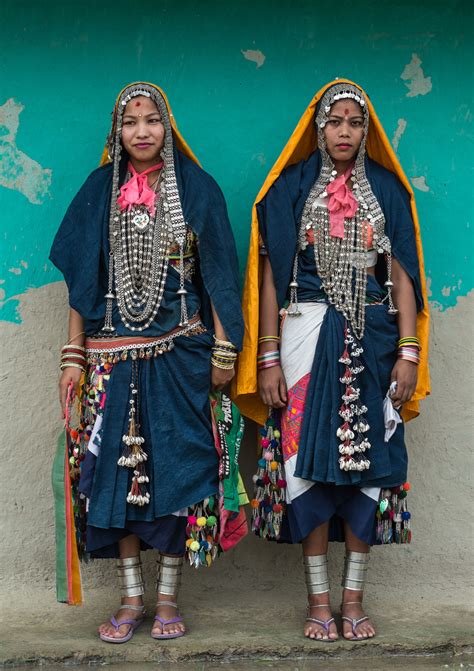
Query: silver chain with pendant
{"points": [[140, 256]]}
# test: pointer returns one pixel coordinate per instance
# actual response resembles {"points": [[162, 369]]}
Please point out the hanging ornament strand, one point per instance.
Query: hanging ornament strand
{"points": [[133, 455]]}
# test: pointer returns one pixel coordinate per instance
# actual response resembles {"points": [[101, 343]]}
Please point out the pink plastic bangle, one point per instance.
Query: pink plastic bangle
{"points": [[271, 364]]}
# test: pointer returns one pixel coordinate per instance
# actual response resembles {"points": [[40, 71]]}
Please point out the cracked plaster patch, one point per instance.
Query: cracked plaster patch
{"points": [[17, 170], [420, 183], [254, 55], [397, 136], [414, 78]]}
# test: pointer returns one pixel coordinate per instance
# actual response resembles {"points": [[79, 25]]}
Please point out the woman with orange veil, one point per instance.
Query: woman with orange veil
{"points": [[155, 323], [339, 351]]}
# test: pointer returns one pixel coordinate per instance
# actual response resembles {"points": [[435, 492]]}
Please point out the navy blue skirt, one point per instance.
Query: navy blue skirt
{"points": [[182, 463]]}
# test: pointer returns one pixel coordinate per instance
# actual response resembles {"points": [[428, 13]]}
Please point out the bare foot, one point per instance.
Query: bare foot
{"points": [[319, 608], [166, 611], [124, 613], [353, 609]]}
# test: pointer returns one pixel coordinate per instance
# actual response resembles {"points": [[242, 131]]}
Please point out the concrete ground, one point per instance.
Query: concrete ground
{"points": [[251, 633]]}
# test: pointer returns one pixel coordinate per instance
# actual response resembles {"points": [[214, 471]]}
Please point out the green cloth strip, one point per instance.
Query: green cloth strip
{"points": [[57, 477]]}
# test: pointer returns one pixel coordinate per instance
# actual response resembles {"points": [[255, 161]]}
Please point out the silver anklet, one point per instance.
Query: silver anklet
{"points": [[316, 574], [169, 575], [355, 571], [129, 572]]}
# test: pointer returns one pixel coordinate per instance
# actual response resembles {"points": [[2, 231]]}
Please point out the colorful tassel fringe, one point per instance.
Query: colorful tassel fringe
{"points": [[268, 504]]}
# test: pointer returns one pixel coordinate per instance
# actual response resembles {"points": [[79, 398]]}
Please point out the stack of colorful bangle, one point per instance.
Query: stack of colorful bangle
{"points": [[224, 354], [268, 359], [409, 349], [73, 356]]}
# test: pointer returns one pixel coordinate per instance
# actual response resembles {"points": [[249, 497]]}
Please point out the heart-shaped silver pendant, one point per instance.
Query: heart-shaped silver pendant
{"points": [[141, 221]]}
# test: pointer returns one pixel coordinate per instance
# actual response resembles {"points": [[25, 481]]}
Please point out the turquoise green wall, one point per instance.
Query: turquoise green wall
{"points": [[63, 63]]}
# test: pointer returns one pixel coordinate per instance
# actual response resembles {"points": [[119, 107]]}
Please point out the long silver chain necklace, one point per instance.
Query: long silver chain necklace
{"points": [[141, 261], [342, 266]]}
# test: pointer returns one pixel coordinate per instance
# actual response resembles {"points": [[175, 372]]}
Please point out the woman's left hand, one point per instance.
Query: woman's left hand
{"points": [[220, 377], [405, 374]]}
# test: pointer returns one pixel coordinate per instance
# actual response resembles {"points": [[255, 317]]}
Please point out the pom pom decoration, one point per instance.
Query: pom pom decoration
{"points": [[268, 504], [392, 519], [202, 544]]}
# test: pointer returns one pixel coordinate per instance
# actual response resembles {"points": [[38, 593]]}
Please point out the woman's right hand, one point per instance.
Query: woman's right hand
{"points": [[272, 387], [68, 376]]}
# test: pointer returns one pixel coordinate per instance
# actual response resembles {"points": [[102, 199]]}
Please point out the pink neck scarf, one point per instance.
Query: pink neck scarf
{"points": [[137, 192], [342, 203]]}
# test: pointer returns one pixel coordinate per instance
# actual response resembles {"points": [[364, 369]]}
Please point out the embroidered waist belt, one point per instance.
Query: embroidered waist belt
{"points": [[113, 350]]}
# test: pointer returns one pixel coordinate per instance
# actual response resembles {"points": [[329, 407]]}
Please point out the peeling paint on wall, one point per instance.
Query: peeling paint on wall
{"points": [[420, 183], [260, 157], [236, 120], [254, 55], [402, 124], [429, 292], [448, 290], [17, 170], [416, 82]]}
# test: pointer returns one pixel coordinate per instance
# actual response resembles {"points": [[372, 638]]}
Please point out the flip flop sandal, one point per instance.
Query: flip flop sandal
{"points": [[134, 624], [164, 622], [354, 622], [325, 624]]}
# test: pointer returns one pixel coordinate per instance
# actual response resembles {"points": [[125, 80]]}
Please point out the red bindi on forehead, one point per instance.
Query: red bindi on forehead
{"points": [[346, 112], [138, 103]]}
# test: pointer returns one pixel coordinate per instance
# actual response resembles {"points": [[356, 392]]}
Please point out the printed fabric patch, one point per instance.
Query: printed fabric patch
{"points": [[292, 417]]}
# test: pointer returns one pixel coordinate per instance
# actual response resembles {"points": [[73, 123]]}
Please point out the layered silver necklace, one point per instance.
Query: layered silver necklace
{"points": [[341, 262], [139, 244], [141, 263]]}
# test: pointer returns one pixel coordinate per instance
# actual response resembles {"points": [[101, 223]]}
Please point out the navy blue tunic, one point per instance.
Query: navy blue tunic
{"points": [[174, 412]]}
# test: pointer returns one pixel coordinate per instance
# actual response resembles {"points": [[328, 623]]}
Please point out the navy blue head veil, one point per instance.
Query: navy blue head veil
{"points": [[81, 247]]}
